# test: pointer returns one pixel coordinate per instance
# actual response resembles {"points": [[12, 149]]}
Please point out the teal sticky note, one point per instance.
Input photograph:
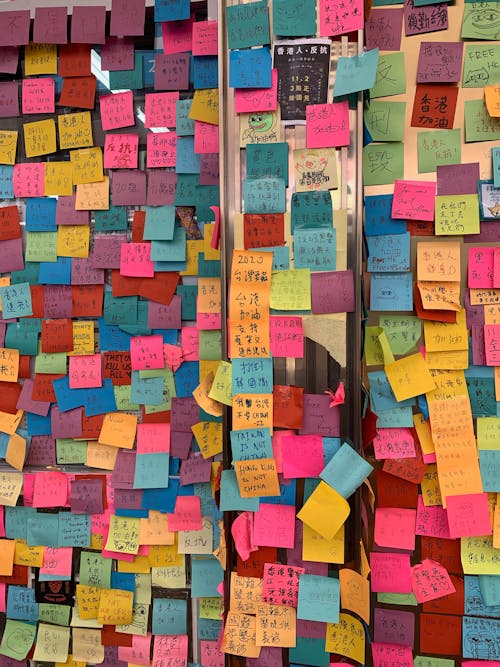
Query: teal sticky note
{"points": [[127, 79], [119, 309], [264, 160], [189, 294], [43, 530], [169, 616], [230, 498], [170, 251], [112, 220], [252, 376], [184, 126], [294, 18], [356, 73], [73, 530], [187, 161], [346, 471], [309, 651], [151, 471], [146, 390], [319, 598], [264, 195], [16, 301], [251, 443], [311, 209], [206, 576], [395, 418], [315, 249], [16, 521], [490, 589], [23, 335], [495, 156], [28, 275], [248, 25], [6, 187], [160, 223], [281, 257]]}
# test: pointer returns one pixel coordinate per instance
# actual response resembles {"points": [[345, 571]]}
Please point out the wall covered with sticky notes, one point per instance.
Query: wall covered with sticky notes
{"points": [[432, 137]]}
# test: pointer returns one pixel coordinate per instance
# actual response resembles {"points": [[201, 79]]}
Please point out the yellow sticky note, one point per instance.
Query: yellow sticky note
{"points": [[448, 360], [291, 290], [347, 637], [164, 556], [449, 384], [10, 488], [239, 635], [7, 548], [87, 165], [211, 608], [446, 336], [205, 106], [173, 576], [479, 556], [409, 377], [28, 556], [222, 385], [456, 214], [115, 607], [83, 338], [423, 430], [492, 100], [385, 347], [325, 511], [70, 662], [275, 625], [488, 433], [140, 565], [75, 130], [40, 59], [101, 456], [373, 351], [8, 146], [73, 240], [193, 248], [209, 252], [87, 599], [118, 429], [208, 366], [209, 437], [52, 642], [123, 536], [58, 178], [201, 396], [93, 196], [16, 451], [87, 646], [315, 547], [257, 478], [40, 137], [355, 593]]}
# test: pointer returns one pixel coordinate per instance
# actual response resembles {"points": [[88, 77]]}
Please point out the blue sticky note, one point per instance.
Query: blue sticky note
{"points": [[281, 257], [184, 126], [74, 530], [319, 598], [480, 637], [169, 616], [41, 214], [16, 301], [251, 443], [378, 220], [489, 465], [474, 601], [187, 161], [391, 291], [205, 72], [100, 400], [330, 447], [21, 604], [206, 576], [160, 223], [123, 581], [356, 73], [250, 68], [67, 399], [162, 500], [6, 187], [112, 338], [309, 651], [395, 418], [252, 376], [170, 251], [187, 378], [16, 521], [112, 220], [267, 160], [56, 273], [171, 10], [38, 424], [495, 156], [315, 249], [490, 592], [248, 25], [287, 494], [151, 470], [42, 530], [346, 471], [230, 498], [264, 195], [311, 209], [389, 254]]}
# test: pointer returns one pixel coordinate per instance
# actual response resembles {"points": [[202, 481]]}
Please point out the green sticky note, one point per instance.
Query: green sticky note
{"points": [[55, 362], [160, 223], [17, 639], [122, 398], [211, 344], [58, 614], [112, 220], [385, 121], [294, 18], [41, 247], [95, 570], [481, 65], [479, 21], [456, 215], [383, 163], [479, 125], [398, 598], [426, 661], [391, 77], [402, 331], [438, 148], [155, 373], [71, 451]]}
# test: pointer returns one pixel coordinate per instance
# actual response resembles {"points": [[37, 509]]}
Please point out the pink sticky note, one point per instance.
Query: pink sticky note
{"points": [[481, 267], [211, 654], [153, 438], [390, 572], [50, 489], [340, 18], [287, 336], [277, 444], [85, 371], [135, 260], [177, 36], [139, 652], [492, 344], [430, 581], [395, 528], [496, 268], [187, 514], [413, 200], [242, 532], [28, 489], [2, 524], [172, 355], [121, 151], [57, 561], [208, 321], [117, 110], [170, 649], [190, 341], [468, 515], [205, 38], [160, 109], [431, 521], [2, 597], [146, 352], [247, 100], [280, 584], [215, 240], [274, 526], [389, 654], [394, 443], [327, 125], [161, 149], [302, 456], [38, 95], [206, 137]]}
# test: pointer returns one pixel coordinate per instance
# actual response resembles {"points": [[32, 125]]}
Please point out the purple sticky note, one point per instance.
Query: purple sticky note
{"points": [[180, 444], [26, 402], [195, 470], [474, 314], [86, 496], [128, 498], [124, 470], [84, 273], [127, 18], [427, 18], [318, 417], [478, 350], [66, 214], [489, 232], [66, 424], [161, 187], [440, 62], [57, 301], [88, 25], [9, 59], [111, 658], [9, 99], [394, 627], [311, 629], [50, 25], [5, 661], [161, 316], [171, 71], [209, 169], [457, 179], [106, 251], [383, 29], [128, 187], [42, 451], [117, 54], [3, 329], [270, 656], [11, 256], [332, 292], [185, 413], [15, 28]]}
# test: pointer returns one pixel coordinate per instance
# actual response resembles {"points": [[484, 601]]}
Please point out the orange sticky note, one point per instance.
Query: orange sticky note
{"points": [[7, 548], [16, 451], [492, 99], [9, 364], [257, 478], [93, 196], [355, 593], [118, 430]]}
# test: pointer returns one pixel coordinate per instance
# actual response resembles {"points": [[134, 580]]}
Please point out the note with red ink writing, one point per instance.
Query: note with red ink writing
{"points": [[85, 371], [280, 584]]}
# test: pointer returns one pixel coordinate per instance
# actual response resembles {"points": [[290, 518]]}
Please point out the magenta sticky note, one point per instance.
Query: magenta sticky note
{"points": [[181, 444], [393, 626], [127, 18], [88, 25], [50, 25], [161, 316], [195, 470], [106, 251], [124, 470], [57, 301], [66, 424], [457, 179], [161, 187], [332, 292], [390, 572], [11, 256], [9, 99], [128, 187], [209, 169], [185, 413], [318, 417], [15, 28], [9, 59], [117, 54], [42, 451], [171, 71], [440, 62], [383, 28], [26, 402], [66, 214], [38, 95], [431, 581]]}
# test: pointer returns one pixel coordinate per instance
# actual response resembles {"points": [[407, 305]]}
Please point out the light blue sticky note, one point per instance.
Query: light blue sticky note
{"points": [[395, 418], [184, 126], [6, 187], [319, 598], [230, 498], [480, 637], [389, 254], [160, 223], [356, 73], [21, 604], [169, 616], [381, 394], [281, 257], [378, 219], [315, 249], [474, 603], [252, 376], [43, 530], [495, 155], [490, 591], [391, 291], [346, 471], [251, 443], [74, 530], [151, 470], [330, 447], [250, 68], [206, 576], [16, 521], [264, 195], [187, 161], [170, 251], [16, 301], [489, 465]]}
